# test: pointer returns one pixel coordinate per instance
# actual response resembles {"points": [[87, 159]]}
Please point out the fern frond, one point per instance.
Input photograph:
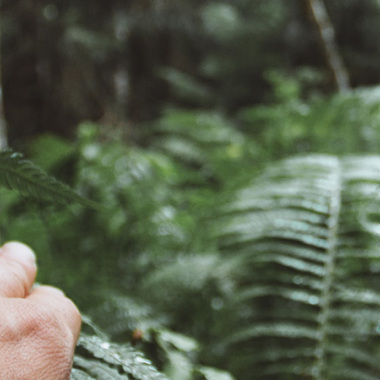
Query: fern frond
{"points": [[125, 358], [305, 257], [16, 173]]}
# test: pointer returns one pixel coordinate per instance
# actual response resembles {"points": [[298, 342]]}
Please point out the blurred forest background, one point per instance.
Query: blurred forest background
{"points": [[162, 111]]}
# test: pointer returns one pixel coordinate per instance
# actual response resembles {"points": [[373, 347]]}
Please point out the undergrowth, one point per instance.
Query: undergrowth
{"points": [[199, 255]]}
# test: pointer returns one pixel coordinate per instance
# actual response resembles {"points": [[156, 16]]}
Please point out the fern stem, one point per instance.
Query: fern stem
{"points": [[320, 367]]}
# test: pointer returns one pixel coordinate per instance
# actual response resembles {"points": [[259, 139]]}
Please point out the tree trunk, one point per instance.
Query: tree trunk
{"points": [[22, 94], [3, 129], [3, 125], [319, 16]]}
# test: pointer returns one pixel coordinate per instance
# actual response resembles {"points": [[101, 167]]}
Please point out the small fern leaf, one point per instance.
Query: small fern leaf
{"points": [[124, 357], [16, 173]]}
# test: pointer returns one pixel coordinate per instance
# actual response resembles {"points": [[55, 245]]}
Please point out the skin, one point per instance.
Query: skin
{"points": [[39, 326]]}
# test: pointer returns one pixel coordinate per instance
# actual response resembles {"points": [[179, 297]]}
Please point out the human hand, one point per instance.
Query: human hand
{"points": [[39, 326]]}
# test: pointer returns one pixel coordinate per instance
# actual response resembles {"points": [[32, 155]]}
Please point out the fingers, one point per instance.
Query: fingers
{"points": [[55, 303], [17, 274], [17, 270]]}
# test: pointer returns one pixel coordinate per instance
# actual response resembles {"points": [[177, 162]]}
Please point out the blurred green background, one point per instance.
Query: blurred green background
{"points": [[161, 111]]}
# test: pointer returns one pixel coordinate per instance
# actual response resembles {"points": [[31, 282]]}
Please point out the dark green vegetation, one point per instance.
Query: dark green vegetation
{"points": [[236, 220]]}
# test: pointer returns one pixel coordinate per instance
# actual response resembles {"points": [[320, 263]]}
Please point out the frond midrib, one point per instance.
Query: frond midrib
{"points": [[333, 223]]}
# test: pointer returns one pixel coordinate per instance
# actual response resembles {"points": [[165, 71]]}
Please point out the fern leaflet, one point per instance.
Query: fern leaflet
{"points": [[16, 173]]}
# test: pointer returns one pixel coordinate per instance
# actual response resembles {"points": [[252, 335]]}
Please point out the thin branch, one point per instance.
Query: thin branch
{"points": [[320, 17]]}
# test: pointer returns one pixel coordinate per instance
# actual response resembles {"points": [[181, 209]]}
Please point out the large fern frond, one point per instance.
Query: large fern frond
{"points": [[17, 173], [306, 263]]}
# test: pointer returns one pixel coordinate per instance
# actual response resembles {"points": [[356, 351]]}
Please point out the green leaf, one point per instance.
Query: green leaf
{"points": [[16, 173]]}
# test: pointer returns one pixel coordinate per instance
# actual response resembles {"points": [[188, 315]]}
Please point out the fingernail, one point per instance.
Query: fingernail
{"points": [[19, 252]]}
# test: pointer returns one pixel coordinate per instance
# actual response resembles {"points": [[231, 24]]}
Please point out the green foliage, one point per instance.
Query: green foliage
{"points": [[139, 206], [206, 144], [241, 31], [96, 356], [306, 296], [197, 263], [137, 329], [186, 88], [295, 290], [339, 124], [194, 261]]}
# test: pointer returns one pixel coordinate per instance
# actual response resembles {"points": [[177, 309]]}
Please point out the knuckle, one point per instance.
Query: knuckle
{"points": [[39, 322], [46, 326]]}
